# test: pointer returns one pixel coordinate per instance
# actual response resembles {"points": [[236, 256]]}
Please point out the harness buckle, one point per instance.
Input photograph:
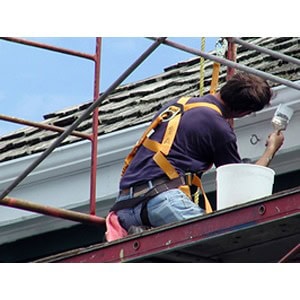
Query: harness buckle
{"points": [[188, 178], [171, 111]]}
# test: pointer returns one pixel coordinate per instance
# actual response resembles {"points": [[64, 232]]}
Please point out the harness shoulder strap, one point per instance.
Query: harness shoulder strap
{"points": [[172, 127], [202, 104], [130, 156]]}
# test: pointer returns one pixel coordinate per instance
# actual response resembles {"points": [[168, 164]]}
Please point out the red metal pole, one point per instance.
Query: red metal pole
{"points": [[43, 126], [231, 55], [48, 47], [94, 150], [52, 211]]}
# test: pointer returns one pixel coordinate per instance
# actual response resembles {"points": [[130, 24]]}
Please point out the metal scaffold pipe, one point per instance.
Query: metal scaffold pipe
{"points": [[229, 63], [52, 211], [231, 55], [43, 126], [48, 47], [94, 135]]}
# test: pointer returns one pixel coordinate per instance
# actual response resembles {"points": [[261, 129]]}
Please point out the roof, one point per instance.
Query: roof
{"points": [[134, 103]]}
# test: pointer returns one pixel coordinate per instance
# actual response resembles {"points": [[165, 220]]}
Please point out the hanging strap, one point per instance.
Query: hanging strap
{"points": [[215, 78], [202, 61], [221, 47]]}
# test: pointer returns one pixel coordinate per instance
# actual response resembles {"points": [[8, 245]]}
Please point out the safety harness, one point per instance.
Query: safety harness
{"points": [[172, 114]]}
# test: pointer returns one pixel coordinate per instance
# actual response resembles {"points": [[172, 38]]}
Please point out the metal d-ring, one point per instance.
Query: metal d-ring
{"points": [[169, 113]]}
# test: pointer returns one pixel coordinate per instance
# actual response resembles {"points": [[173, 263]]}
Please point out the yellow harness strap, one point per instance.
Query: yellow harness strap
{"points": [[130, 156], [215, 78], [202, 104], [197, 182], [172, 127], [168, 139], [172, 115]]}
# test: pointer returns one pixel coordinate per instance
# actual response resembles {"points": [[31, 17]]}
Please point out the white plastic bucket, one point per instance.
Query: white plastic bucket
{"points": [[240, 183]]}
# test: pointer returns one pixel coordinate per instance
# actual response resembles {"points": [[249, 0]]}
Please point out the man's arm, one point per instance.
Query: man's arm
{"points": [[273, 144]]}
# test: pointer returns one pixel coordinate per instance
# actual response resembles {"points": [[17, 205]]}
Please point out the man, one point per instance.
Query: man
{"points": [[150, 189]]}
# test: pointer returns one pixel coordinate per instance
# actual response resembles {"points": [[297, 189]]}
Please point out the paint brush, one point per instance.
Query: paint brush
{"points": [[282, 116]]}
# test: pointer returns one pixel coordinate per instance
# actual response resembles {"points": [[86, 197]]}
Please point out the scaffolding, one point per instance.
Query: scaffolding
{"points": [[93, 109]]}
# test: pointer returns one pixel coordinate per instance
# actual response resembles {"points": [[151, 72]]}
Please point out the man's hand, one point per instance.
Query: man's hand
{"points": [[275, 141], [273, 144]]}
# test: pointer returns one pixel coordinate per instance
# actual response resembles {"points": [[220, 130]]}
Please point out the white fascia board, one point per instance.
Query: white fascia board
{"points": [[72, 158]]}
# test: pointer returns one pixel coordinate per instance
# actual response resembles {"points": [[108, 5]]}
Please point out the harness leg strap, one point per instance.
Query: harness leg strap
{"points": [[144, 214]]}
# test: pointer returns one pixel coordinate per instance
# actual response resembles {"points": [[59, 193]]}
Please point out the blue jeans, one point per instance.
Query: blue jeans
{"points": [[167, 207]]}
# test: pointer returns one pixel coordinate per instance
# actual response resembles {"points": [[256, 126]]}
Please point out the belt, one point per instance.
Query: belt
{"points": [[144, 193], [153, 186]]}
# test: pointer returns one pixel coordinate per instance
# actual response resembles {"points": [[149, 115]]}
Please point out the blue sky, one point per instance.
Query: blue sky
{"points": [[34, 82]]}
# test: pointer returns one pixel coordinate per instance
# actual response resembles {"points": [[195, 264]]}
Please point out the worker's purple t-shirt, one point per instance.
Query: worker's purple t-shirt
{"points": [[203, 138]]}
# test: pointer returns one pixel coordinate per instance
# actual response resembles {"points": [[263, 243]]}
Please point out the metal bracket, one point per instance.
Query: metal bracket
{"points": [[221, 46]]}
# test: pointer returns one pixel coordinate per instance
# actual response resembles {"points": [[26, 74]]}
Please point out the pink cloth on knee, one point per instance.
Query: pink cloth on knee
{"points": [[114, 230]]}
